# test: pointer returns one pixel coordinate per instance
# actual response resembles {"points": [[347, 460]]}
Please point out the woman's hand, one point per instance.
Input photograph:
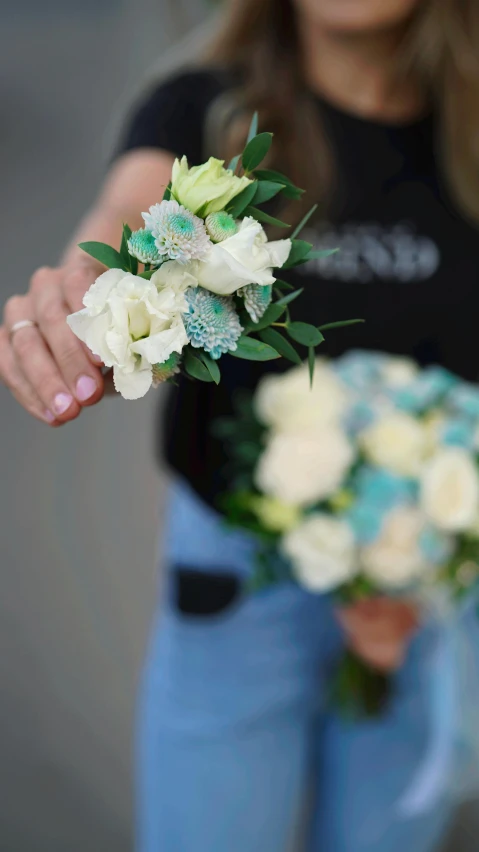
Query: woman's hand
{"points": [[48, 370], [378, 630]]}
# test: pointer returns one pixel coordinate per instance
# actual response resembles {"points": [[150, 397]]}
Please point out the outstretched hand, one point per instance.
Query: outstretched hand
{"points": [[378, 630]]}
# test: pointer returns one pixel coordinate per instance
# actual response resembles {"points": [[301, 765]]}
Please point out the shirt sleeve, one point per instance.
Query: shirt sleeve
{"points": [[172, 115]]}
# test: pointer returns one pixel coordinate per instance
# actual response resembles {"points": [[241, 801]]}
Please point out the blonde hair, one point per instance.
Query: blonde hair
{"points": [[258, 39]]}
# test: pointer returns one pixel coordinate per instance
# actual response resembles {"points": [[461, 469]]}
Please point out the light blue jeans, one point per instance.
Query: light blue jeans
{"points": [[238, 750]]}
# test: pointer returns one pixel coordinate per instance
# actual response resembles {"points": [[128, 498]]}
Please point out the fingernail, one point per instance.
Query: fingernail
{"points": [[85, 388], [49, 416], [61, 402]]}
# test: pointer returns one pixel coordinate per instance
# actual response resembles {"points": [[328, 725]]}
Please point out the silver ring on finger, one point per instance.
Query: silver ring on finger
{"points": [[17, 326]]}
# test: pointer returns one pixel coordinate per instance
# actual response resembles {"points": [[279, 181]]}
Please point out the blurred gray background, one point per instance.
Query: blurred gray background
{"points": [[79, 506]]}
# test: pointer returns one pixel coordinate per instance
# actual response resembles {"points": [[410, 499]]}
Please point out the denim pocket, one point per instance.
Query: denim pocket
{"points": [[199, 595]]}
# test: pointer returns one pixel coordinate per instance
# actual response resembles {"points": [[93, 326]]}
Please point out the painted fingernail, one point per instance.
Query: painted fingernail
{"points": [[85, 388], [61, 402], [49, 416]]}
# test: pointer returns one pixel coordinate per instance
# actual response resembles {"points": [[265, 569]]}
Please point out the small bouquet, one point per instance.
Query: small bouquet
{"points": [[207, 284], [366, 485]]}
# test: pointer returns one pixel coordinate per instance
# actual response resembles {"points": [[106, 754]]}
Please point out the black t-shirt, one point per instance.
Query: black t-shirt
{"points": [[408, 264]]}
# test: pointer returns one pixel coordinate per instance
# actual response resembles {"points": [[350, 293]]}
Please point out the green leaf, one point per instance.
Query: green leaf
{"points": [[234, 162], [267, 189], [239, 204], [147, 274], [212, 367], [104, 254], [256, 151], [261, 216], [304, 221], [314, 255], [253, 128], [305, 333], [283, 285], [271, 314], [298, 254], [277, 341], [195, 368], [290, 190], [254, 350], [124, 244], [290, 297], [167, 192], [339, 324], [311, 364]]}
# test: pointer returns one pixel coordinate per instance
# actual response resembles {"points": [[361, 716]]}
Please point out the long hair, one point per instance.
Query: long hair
{"points": [[258, 39]]}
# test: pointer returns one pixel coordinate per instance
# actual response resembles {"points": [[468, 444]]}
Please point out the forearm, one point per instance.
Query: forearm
{"points": [[103, 224]]}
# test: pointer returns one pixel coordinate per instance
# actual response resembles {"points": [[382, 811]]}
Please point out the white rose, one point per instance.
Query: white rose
{"points": [[132, 323], [245, 258], [395, 559], [397, 442], [399, 372], [322, 552], [287, 402], [450, 490], [207, 188], [301, 468]]}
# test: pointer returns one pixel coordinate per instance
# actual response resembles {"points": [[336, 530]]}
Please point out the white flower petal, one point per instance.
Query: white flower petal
{"points": [[97, 295], [132, 385], [158, 347]]}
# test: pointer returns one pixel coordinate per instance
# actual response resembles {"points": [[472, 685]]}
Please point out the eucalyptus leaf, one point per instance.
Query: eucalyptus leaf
{"points": [[319, 253], [167, 193], [277, 341], [256, 151], [339, 324], [234, 162], [212, 367], [298, 254], [290, 190], [311, 364], [254, 350], [267, 189], [195, 368], [283, 285], [304, 221], [305, 333], [147, 274], [290, 297], [271, 314], [105, 254], [241, 201], [261, 216], [253, 128]]}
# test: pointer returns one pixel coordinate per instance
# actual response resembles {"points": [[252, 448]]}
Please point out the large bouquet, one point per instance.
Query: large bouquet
{"points": [[366, 485], [207, 284]]}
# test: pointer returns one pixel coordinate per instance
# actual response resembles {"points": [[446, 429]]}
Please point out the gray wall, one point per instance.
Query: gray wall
{"points": [[77, 591]]}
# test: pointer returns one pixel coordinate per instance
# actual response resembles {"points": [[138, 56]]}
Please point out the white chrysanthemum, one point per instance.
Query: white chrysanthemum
{"points": [[322, 552], [179, 234], [133, 324]]}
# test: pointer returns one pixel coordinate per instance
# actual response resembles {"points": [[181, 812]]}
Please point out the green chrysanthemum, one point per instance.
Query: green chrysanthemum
{"points": [[256, 297], [166, 370], [142, 246], [220, 226]]}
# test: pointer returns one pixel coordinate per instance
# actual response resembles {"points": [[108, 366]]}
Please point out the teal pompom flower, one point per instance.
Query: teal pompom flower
{"points": [[220, 226], [142, 246], [178, 233], [256, 297], [211, 322]]}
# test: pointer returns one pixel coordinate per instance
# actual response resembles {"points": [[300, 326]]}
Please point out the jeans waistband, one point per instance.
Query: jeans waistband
{"points": [[198, 537]]}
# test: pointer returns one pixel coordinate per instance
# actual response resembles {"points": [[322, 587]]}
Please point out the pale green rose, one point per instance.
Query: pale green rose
{"points": [[205, 189]]}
